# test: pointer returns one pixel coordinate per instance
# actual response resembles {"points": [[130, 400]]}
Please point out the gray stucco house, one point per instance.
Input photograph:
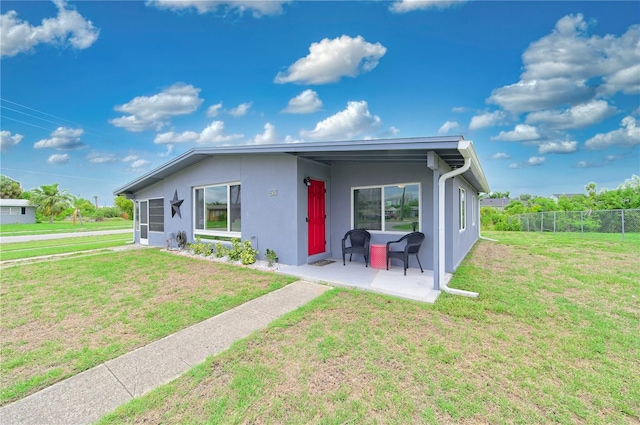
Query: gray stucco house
{"points": [[17, 211], [300, 199]]}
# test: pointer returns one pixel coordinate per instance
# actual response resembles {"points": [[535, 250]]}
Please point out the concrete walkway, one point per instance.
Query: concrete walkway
{"points": [[86, 397], [43, 237]]}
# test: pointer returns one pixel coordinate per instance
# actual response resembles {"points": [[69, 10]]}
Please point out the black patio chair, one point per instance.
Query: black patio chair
{"points": [[358, 244], [413, 243]]}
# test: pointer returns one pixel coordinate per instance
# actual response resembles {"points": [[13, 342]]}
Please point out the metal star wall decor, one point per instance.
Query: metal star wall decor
{"points": [[175, 205]]}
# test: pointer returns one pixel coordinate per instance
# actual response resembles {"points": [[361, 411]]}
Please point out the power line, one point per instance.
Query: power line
{"points": [[55, 175], [92, 131], [26, 123], [41, 112]]}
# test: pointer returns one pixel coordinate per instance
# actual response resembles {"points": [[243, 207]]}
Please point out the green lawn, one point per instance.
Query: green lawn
{"points": [[19, 250], [553, 338], [58, 318], [63, 227]]}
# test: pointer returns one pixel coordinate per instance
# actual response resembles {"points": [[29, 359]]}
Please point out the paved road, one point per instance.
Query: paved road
{"points": [[27, 238]]}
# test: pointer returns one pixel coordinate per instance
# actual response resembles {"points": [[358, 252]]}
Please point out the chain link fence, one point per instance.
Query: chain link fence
{"points": [[623, 222]]}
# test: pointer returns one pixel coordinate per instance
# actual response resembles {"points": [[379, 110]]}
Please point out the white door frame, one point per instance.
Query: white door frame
{"points": [[144, 222]]}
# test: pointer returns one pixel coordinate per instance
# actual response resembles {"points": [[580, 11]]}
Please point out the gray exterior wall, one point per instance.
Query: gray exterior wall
{"points": [[29, 216], [346, 176], [274, 204], [459, 242]]}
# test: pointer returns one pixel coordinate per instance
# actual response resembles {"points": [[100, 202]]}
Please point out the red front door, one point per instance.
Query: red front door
{"points": [[317, 217]]}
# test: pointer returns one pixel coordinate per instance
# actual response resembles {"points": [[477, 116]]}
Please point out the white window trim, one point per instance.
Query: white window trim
{"points": [[462, 223], [229, 234], [149, 216], [382, 186], [474, 209]]}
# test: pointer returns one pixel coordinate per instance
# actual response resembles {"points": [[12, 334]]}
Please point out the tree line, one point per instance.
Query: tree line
{"points": [[626, 196], [53, 203]]}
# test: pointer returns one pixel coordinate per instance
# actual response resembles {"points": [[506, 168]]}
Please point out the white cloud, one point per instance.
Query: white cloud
{"points": [[130, 158], [241, 109], [306, 102], [536, 160], [448, 125], [515, 165], [139, 165], [68, 28], [214, 110], [521, 133], [101, 158], [534, 95], [153, 112], [58, 158], [558, 146], [354, 121], [388, 133], [62, 138], [579, 116], [257, 8], [171, 137], [626, 136], [581, 164], [500, 155], [269, 136], [459, 109], [168, 152], [330, 60], [568, 66], [488, 119], [7, 141], [214, 133], [403, 6]]}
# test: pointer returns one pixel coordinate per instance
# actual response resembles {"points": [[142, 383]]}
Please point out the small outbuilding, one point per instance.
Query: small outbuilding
{"points": [[17, 211], [300, 199]]}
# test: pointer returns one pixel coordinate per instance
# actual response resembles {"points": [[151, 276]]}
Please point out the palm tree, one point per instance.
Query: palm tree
{"points": [[50, 200]]}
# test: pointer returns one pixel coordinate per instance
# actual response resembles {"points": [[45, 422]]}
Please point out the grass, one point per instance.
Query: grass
{"points": [[19, 250], [58, 318], [553, 338], [63, 227]]}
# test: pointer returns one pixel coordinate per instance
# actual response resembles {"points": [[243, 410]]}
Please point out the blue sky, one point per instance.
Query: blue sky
{"points": [[97, 93]]}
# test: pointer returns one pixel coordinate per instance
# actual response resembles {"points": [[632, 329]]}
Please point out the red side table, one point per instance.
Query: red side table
{"points": [[378, 256]]}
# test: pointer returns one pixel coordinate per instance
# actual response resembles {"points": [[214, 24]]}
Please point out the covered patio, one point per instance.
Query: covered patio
{"points": [[414, 286]]}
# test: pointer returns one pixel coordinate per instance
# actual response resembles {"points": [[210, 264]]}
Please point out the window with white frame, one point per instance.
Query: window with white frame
{"points": [[474, 209], [217, 209], [156, 215], [463, 208], [390, 208]]}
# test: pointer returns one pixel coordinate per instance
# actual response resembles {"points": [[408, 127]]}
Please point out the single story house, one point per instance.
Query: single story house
{"points": [[17, 211], [299, 199], [497, 203]]}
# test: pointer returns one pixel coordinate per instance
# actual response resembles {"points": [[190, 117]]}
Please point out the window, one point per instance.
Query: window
{"points": [[12, 210], [392, 208], [463, 208], [217, 209], [156, 215], [474, 210]]}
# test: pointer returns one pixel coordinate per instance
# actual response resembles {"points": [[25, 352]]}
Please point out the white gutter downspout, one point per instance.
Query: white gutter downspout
{"points": [[462, 147]]}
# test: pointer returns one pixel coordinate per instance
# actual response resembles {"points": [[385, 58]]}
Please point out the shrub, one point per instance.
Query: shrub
{"points": [[248, 253], [200, 248], [271, 256], [221, 250], [236, 250]]}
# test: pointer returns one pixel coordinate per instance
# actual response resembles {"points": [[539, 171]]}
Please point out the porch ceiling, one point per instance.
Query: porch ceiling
{"points": [[451, 156]]}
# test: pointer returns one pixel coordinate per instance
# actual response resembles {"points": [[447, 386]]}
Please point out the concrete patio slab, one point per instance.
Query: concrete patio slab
{"points": [[414, 286]]}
